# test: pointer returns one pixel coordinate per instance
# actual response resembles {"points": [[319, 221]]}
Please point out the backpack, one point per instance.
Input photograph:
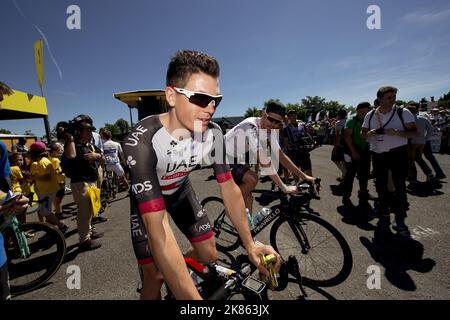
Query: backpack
{"points": [[399, 113]]}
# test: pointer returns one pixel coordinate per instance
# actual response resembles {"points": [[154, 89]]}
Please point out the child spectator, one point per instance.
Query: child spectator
{"points": [[56, 151], [47, 185]]}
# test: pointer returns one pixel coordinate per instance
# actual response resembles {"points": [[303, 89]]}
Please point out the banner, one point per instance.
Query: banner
{"points": [[39, 58], [436, 141]]}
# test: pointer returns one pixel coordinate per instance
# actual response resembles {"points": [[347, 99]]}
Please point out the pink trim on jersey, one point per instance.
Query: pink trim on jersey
{"points": [[146, 261], [175, 175], [169, 186], [154, 205], [202, 237], [223, 177]]}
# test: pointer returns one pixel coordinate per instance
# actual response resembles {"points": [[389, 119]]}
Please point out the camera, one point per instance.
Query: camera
{"points": [[379, 131], [63, 127]]}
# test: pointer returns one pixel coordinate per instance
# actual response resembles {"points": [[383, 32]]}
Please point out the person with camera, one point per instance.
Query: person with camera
{"points": [[388, 129], [80, 160]]}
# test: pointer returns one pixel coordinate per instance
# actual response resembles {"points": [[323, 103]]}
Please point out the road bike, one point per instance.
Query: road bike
{"points": [[323, 254], [35, 250]]}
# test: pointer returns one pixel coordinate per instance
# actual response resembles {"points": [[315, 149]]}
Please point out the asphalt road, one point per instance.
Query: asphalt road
{"points": [[416, 269]]}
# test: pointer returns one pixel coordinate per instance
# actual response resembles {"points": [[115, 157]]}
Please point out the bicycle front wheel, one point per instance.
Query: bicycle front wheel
{"points": [[47, 249], [227, 237], [323, 254]]}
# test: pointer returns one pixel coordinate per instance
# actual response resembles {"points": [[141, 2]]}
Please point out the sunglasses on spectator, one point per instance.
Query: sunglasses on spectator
{"points": [[273, 120], [199, 98]]}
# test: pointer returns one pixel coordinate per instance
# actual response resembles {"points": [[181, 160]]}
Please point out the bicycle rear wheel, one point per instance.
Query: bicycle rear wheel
{"points": [[227, 237], [323, 254], [47, 251]]}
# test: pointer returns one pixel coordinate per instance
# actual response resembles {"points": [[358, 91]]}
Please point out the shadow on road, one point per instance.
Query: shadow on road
{"points": [[425, 189], [356, 216], [397, 255]]}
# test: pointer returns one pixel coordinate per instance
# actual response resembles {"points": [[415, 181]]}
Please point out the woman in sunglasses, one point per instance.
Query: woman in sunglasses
{"points": [[250, 142], [162, 151]]}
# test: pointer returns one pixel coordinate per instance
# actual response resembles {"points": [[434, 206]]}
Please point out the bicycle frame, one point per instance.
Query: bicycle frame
{"points": [[20, 236]]}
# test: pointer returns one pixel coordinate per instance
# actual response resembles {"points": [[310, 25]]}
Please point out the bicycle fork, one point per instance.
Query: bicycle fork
{"points": [[21, 238]]}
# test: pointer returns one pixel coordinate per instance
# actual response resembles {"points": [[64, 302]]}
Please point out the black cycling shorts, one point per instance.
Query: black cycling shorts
{"points": [[187, 213]]}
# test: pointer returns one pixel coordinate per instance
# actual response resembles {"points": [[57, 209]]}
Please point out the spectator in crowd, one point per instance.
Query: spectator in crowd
{"points": [[388, 129], [357, 157], [337, 154], [56, 151], [417, 145], [19, 182], [46, 184], [81, 157], [292, 144], [114, 156], [428, 153], [21, 146]]}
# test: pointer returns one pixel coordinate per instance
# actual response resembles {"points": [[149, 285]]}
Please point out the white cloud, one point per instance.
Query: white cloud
{"points": [[421, 17]]}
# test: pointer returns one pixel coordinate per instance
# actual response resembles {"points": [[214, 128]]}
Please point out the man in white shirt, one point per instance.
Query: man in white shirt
{"points": [[249, 142], [417, 145], [113, 153], [388, 129]]}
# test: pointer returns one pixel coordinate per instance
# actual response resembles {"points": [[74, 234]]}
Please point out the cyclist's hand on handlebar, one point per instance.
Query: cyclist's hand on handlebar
{"points": [[256, 253], [289, 189], [18, 205], [310, 179]]}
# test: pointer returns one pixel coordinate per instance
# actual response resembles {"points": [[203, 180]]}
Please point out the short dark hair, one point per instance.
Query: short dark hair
{"points": [[187, 62], [342, 113], [290, 112], [106, 133], [276, 107], [363, 105], [386, 89], [376, 103]]}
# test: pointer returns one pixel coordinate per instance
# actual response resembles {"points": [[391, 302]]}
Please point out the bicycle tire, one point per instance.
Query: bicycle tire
{"points": [[25, 274], [341, 254], [227, 237]]}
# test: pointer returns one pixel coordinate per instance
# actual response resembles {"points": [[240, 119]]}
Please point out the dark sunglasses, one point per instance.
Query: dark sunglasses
{"points": [[273, 120], [199, 98]]}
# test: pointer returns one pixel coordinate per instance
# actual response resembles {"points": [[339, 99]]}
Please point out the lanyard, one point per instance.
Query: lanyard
{"points": [[379, 118]]}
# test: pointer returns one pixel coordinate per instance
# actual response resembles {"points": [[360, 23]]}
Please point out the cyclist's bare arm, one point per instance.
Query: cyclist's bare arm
{"points": [[288, 164], [234, 203], [168, 256], [268, 168]]}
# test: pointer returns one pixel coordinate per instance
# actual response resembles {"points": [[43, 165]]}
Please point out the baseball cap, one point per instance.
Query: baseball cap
{"points": [[38, 146]]}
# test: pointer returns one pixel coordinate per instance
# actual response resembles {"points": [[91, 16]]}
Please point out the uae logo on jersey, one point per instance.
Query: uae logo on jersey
{"points": [[130, 161]]}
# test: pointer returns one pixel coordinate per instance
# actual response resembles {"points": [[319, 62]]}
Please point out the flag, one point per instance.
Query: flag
{"points": [[39, 58], [318, 116], [310, 118]]}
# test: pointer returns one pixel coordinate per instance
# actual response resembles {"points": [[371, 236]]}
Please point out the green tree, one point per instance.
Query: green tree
{"points": [[444, 101], [115, 130], [400, 103], [252, 112], [4, 131], [332, 107], [123, 126], [29, 133], [302, 113], [313, 104]]}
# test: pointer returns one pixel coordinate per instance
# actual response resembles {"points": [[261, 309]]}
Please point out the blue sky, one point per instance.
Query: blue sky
{"points": [[266, 49]]}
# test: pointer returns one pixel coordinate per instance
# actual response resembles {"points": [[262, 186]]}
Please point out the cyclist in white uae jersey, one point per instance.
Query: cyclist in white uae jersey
{"points": [[248, 142], [113, 154], [161, 151]]}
